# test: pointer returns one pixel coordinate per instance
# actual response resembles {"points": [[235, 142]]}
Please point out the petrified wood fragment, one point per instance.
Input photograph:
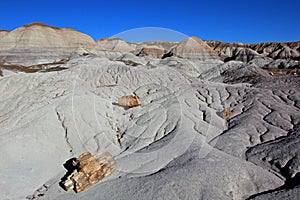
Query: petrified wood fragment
{"points": [[129, 101], [88, 170], [226, 113]]}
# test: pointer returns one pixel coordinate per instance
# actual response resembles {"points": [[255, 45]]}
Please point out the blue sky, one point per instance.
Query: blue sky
{"points": [[251, 21]]}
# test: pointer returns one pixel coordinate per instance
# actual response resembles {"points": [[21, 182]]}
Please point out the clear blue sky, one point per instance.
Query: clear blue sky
{"points": [[249, 21]]}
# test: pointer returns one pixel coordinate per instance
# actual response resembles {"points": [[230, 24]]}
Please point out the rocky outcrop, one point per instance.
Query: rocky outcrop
{"points": [[88, 170], [194, 48]]}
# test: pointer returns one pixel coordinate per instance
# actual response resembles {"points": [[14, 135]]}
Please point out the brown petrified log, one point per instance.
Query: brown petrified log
{"points": [[129, 101], [89, 170]]}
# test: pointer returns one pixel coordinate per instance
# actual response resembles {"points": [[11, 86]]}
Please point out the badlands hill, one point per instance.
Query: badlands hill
{"points": [[38, 43], [274, 50], [194, 47], [216, 121]]}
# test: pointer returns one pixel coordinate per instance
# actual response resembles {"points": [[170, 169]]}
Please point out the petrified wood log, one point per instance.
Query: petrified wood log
{"points": [[129, 101], [88, 170]]}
